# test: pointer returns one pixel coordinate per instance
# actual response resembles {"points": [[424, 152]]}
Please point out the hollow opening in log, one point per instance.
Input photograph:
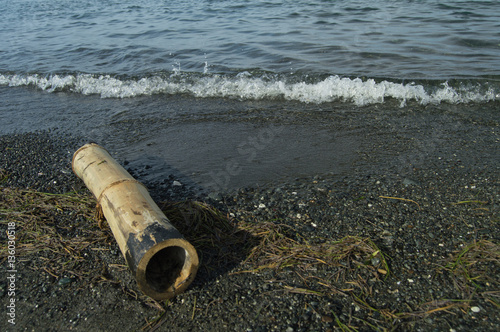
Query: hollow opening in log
{"points": [[165, 267]]}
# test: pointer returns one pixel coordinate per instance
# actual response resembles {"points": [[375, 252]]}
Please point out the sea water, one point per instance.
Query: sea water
{"points": [[142, 67]]}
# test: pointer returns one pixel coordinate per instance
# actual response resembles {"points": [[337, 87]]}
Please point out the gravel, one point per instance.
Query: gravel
{"points": [[419, 220]]}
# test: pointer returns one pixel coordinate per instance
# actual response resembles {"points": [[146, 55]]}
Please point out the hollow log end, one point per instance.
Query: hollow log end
{"points": [[167, 269]]}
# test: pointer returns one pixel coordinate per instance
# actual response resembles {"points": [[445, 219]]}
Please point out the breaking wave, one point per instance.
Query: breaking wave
{"points": [[247, 86]]}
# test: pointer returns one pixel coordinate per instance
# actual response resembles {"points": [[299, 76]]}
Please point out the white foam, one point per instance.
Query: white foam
{"points": [[247, 87]]}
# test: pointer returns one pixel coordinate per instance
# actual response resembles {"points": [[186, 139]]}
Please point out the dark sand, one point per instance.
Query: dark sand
{"points": [[433, 157]]}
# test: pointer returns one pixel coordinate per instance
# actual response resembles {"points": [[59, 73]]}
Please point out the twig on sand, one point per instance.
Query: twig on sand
{"points": [[401, 199]]}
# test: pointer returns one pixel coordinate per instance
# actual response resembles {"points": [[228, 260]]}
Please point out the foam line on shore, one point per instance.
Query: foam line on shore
{"points": [[246, 86]]}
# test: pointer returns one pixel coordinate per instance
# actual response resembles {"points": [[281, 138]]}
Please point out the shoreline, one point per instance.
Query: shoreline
{"points": [[420, 217], [221, 145]]}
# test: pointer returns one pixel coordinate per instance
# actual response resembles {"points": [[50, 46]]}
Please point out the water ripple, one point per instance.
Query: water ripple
{"points": [[404, 39]]}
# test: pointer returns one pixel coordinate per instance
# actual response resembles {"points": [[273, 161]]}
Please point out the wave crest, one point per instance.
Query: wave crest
{"points": [[247, 87]]}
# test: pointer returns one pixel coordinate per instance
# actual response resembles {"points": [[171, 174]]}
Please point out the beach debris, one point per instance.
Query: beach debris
{"points": [[162, 261]]}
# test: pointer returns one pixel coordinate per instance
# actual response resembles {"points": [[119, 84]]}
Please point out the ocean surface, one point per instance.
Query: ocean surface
{"points": [[193, 85]]}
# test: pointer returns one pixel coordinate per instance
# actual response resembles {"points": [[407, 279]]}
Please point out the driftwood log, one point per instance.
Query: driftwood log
{"points": [[162, 261]]}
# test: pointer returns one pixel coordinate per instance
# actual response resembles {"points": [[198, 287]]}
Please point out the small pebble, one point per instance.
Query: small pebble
{"points": [[64, 281], [475, 309]]}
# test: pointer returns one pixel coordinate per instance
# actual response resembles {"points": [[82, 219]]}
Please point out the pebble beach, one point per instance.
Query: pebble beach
{"points": [[431, 219], [335, 164]]}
